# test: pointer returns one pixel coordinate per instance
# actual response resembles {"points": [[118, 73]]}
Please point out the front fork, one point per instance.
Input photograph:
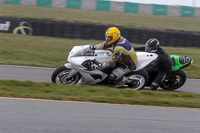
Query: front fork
{"points": [[73, 70]]}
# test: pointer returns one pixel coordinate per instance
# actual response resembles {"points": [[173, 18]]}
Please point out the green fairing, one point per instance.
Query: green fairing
{"points": [[180, 62]]}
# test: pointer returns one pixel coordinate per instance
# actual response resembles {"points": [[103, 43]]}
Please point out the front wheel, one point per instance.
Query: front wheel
{"points": [[137, 80], [175, 80], [64, 75]]}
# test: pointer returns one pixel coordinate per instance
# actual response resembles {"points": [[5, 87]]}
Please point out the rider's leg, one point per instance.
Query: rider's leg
{"points": [[158, 80], [117, 78]]}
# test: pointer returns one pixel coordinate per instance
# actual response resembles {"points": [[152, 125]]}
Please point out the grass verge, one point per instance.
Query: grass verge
{"points": [[100, 94], [102, 17]]}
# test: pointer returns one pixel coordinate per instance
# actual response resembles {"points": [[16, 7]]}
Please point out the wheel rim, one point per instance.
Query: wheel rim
{"points": [[65, 77], [139, 81], [178, 82]]}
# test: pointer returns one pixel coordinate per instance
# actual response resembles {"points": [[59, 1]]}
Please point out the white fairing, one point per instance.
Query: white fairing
{"points": [[78, 55], [100, 55], [69, 65], [144, 58]]}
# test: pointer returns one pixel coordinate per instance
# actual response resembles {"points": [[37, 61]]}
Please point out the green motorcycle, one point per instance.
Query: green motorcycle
{"points": [[178, 77]]}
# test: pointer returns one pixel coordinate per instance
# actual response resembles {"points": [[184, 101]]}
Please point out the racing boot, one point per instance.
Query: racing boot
{"points": [[154, 86]]}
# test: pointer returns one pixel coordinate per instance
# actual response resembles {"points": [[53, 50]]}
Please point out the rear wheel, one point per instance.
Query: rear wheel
{"points": [[175, 81], [137, 80], [65, 75]]}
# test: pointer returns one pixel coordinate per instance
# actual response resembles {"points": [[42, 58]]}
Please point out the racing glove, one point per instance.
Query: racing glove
{"points": [[89, 50], [92, 47]]}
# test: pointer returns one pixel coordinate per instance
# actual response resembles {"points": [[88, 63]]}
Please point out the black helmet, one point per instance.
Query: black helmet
{"points": [[152, 45]]}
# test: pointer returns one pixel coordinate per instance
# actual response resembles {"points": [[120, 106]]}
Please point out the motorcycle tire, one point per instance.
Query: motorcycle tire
{"points": [[180, 78], [138, 79], [62, 76]]}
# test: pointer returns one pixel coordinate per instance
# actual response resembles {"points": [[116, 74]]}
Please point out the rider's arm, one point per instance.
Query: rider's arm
{"points": [[103, 45], [109, 64], [141, 48], [113, 60]]}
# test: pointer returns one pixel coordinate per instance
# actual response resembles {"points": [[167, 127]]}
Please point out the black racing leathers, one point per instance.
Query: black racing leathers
{"points": [[163, 62]]}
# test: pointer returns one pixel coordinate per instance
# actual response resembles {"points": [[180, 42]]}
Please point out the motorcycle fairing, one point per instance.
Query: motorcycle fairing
{"points": [[144, 58], [180, 62], [84, 66]]}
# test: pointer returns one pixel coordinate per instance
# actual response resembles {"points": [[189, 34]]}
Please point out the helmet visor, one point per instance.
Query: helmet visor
{"points": [[108, 38], [148, 49]]}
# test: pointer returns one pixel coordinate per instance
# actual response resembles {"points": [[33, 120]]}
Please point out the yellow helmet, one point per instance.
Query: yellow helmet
{"points": [[112, 35]]}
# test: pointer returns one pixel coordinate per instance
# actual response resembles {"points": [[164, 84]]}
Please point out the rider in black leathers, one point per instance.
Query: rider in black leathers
{"points": [[163, 62]]}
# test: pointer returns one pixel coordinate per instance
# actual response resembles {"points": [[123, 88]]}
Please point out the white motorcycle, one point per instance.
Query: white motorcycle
{"points": [[83, 68]]}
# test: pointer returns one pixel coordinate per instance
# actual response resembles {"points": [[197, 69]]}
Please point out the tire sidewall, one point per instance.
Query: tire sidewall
{"points": [[56, 72], [180, 73], [142, 73]]}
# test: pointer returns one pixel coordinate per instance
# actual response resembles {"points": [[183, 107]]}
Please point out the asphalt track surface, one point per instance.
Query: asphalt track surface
{"points": [[40, 116], [42, 74], [46, 116]]}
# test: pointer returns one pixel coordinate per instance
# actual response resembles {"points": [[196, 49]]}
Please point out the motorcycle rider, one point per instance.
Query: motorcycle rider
{"points": [[163, 62], [123, 55]]}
